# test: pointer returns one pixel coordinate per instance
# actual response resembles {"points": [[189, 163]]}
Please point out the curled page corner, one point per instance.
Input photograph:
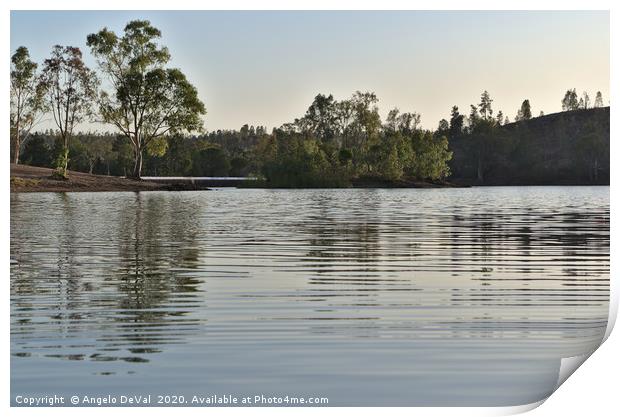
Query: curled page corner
{"points": [[569, 365], [519, 409]]}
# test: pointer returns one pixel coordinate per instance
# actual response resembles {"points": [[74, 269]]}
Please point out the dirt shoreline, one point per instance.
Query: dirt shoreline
{"points": [[25, 178]]}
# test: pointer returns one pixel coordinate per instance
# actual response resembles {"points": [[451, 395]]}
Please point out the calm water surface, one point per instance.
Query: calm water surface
{"points": [[366, 297]]}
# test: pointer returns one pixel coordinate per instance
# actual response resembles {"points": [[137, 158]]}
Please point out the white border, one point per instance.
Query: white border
{"points": [[592, 390], [309, 5]]}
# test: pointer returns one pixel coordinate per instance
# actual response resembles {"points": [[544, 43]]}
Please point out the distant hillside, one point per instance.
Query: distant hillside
{"points": [[560, 148]]}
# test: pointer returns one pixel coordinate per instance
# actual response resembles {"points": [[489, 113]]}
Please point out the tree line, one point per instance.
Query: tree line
{"points": [[156, 117], [145, 100], [570, 147]]}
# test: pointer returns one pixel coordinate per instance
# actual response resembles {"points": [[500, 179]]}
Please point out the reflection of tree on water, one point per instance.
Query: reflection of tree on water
{"points": [[36, 275], [155, 240], [532, 260], [491, 250], [346, 235], [124, 279], [342, 263]]}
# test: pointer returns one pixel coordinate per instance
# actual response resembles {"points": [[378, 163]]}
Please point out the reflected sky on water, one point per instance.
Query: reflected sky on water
{"points": [[365, 296]]}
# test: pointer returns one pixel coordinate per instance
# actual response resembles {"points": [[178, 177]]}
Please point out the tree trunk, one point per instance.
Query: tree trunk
{"points": [[65, 162], [16, 156], [137, 168]]}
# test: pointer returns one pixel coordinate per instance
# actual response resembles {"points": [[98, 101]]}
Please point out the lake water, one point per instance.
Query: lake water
{"points": [[362, 296]]}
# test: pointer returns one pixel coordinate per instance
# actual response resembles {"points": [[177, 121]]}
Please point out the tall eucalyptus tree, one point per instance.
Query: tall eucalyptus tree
{"points": [[70, 88], [147, 100], [25, 98]]}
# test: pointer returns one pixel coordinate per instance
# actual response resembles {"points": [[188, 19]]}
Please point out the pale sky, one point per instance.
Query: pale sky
{"points": [[265, 67]]}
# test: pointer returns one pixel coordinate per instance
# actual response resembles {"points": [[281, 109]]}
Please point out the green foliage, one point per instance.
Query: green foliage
{"points": [[69, 88], [22, 69], [320, 119], [561, 148], [486, 110], [525, 112], [335, 143], [430, 156], [37, 152], [593, 150], [157, 147], [393, 155], [294, 161], [26, 99], [457, 122], [148, 101], [570, 102], [322, 150], [345, 156], [598, 101], [238, 167], [211, 162], [155, 109], [61, 162], [584, 101], [500, 118]]}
